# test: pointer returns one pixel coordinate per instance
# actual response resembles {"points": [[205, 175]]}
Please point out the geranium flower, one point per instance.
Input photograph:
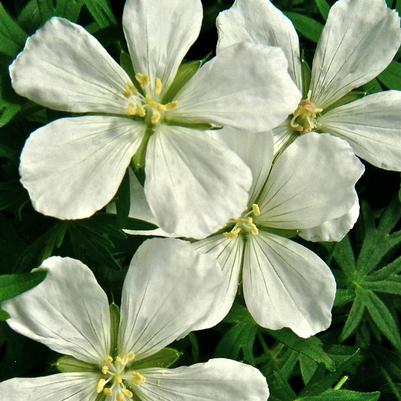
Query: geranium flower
{"points": [[284, 283], [72, 167], [355, 47], [162, 300]]}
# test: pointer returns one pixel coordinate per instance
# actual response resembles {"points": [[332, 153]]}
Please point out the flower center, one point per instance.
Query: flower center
{"points": [[304, 117], [146, 106], [112, 384], [245, 224]]}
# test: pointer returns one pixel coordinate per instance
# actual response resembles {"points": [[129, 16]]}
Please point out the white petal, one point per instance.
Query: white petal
{"points": [[159, 34], [287, 285], [228, 253], [194, 184], [333, 230], [60, 387], [372, 126], [245, 86], [311, 182], [356, 45], [68, 311], [259, 21], [217, 380], [255, 150], [63, 67], [281, 135], [73, 167], [168, 290]]}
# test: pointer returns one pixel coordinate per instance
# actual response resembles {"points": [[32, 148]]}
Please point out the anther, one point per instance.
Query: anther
{"points": [[256, 209], [120, 397], [132, 110], [159, 86], [233, 234], [171, 106], [127, 393], [108, 392], [142, 79], [138, 378], [129, 90], [100, 385], [105, 369], [156, 116]]}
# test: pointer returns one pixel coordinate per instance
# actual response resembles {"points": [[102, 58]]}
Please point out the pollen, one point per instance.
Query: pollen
{"points": [[138, 378], [142, 79], [108, 392], [129, 90], [256, 209], [100, 385], [158, 86], [156, 117], [233, 233]]}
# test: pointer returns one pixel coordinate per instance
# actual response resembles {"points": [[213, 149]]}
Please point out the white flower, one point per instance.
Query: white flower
{"points": [[284, 283], [355, 47], [73, 167], [162, 300]]}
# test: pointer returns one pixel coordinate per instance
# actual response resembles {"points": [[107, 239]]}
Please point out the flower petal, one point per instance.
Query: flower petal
{"points": [[73, 167], [159, 33], [372, 126], [255, 150], [281, 136], [188, 177], [168, 290], [259, 21], [65, 68], [355, 47], [217, 380], [333, 230], [228, 253], [311, 182], [287, 285], [246, 86], [68, 311], [60, 387]]}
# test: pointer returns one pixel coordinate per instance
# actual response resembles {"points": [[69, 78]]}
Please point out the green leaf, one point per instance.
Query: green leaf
{"points": [[306, 76], [185, 72], [3, 315], [382, 317], [101, 12], [114, 325], [323, 7], [12, 37], [342, 395], [12, 285], [123, 201], [308, 367], [306, 26], [392, 268], [162, 359], [372, 87], [126, 64], [354, 318], [311, 347], [387, 287], [398, 6], [344, 256], [391, 76]]}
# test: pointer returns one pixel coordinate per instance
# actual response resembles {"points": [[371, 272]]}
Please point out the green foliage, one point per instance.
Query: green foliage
{"points": [[306, 26], [391, 76]]}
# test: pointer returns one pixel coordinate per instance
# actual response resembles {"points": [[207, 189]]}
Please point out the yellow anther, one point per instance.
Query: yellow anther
{"points": [[159, 86], [156, 116], [142, 79], [108, 360], [100, 385], [254, 229], [171, 106], [138, 378], [141, 111], [255, 209], [304, 117], [233, 234], [120, 397], [130, 357], [129, 90], [118, 379], [127, 393], [105, 369], [108, 392], [132, 110]]}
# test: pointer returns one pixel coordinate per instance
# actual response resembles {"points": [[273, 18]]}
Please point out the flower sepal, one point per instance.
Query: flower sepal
{"points": [[162, 359], [68, 364]]}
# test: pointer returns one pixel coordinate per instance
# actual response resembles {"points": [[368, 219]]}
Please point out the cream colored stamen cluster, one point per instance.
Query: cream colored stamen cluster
{"points": [[112, 384], [304, 118], [245, 224], [147, 105]]}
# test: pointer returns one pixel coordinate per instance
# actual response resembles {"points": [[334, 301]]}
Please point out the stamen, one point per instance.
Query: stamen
{"points": [[141, 111], [127, 393], [159, 86], [132, 110], [142, 79], [105, 370], [118, 379], [255, 209], [108, 392], [138, 378], [233, 233], [171, 106], [156, 117], [120, 397], [100, 385], [129, 90], [130, 357], [252, 226]]}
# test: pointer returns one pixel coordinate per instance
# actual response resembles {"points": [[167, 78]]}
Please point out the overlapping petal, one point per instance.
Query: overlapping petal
{"points": [[229, 254], [188, 173], [73, 167], [354, 48], [65, 68], [64, 386], [287, 285], [260, 22], [311, 182], [68, 311], [372, 126], [217, 380], [168, 290], [246, 86], [159, 34]]}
